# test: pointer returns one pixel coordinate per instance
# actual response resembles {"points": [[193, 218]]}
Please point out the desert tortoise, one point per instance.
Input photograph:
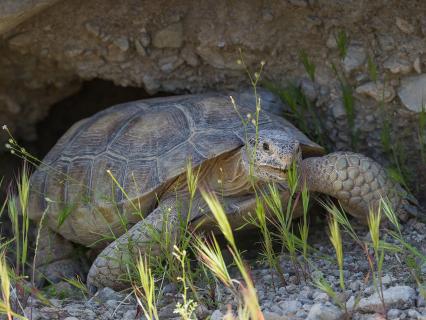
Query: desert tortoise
{"points": [[146, 144]]}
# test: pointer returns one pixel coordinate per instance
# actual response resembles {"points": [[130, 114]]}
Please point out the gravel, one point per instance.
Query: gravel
{"points": [[398, 297], [298, 299]]}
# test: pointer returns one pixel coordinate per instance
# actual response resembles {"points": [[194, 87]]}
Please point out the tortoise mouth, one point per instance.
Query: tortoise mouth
{"points": [[275, 172]]}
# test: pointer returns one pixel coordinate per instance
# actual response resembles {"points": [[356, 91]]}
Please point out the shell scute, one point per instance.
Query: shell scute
{"points": [[94, 135], [174, 161], [140, 177], [78, 181], [152, 133], [106, 169], [212, 143], [216, 112]]}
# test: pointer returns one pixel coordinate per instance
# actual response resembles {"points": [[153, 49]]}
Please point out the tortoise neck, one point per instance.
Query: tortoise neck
{"points": [[230, 175], [312, 172]]}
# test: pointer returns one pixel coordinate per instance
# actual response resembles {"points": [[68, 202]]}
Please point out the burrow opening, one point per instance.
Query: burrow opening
{"points": [[94, 96]]}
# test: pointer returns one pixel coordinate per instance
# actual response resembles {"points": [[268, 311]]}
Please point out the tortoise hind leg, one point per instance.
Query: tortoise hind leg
{"points": [[55, 257], [111, 266]]}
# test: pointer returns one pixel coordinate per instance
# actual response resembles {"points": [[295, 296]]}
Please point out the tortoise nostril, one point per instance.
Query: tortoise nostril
{"points": [[265, 146]]}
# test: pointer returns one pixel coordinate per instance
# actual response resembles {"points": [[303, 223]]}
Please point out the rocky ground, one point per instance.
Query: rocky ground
{"points": [[299, 299]]}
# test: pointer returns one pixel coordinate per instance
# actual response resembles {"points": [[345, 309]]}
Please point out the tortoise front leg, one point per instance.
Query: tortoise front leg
{"points": [[357, 181], [111, 266]]}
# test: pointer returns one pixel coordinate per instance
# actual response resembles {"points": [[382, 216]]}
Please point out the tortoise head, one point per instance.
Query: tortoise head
{"points": [[272, 156]]}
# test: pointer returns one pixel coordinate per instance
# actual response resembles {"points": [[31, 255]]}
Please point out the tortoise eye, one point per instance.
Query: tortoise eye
{"points": [[265, 146]]}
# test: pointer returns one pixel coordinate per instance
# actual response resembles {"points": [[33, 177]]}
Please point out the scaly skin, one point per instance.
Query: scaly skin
{"points": [[357, 181], [111, 265]]}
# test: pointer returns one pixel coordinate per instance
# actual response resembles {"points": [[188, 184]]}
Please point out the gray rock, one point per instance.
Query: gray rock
{"points": [[354, 58], [291, 306], [397, 65], [72, 51], [216, 315], [421, 302], [169, 37], [322, 312], [412, 92], [202, 311], [167, 311], [273, 316], [338, 109], [170, 288], [423, 268], [321, 297], [129, 315], [33, 313], [115, 53], [267, 15], [106, 294], [276, 309], [309, 88], [355, 285], [218, 59], [77, 310], [417, 65], [93, 29], [122, 43], [301, 314], [62, 269], [190, 57], [404, 25], [64, 290], [111, 304], [53, 247], [291, 288], [398, 297], [145, 38], [331, 41], [168, 64], [140, 49], [374, 316], [307, 307], [369, 290], [414, 314], [55, 302], [350, 304], [151, 85], [377, 91], [387, 279], [386, 41], [394, 313]]}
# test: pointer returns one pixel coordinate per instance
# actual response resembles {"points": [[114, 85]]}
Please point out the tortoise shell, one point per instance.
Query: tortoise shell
{"points": [[143, 145]]}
